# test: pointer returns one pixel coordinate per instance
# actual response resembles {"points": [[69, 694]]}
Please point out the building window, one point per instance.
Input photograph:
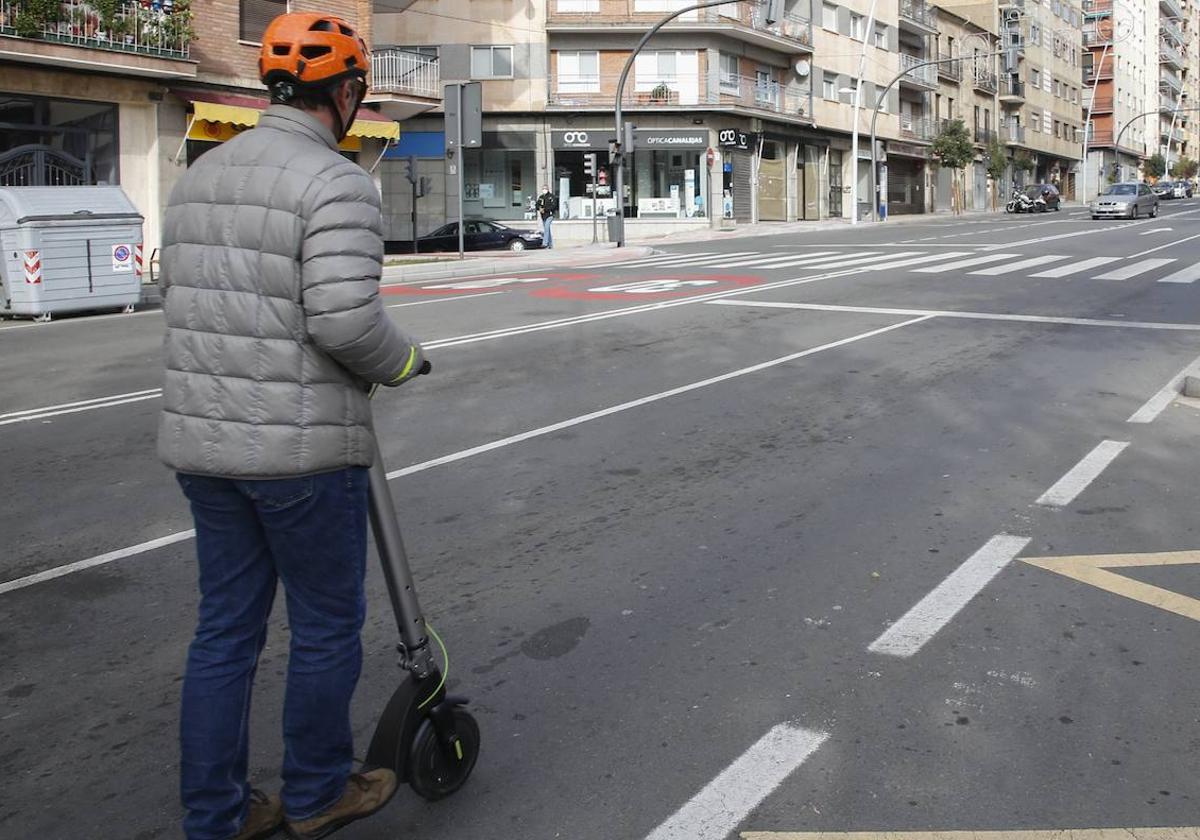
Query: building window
{"points": [[881, 36], [857, 27], [255, 15], [579, 72], [656, 68], [829, 86], [829, 16], [847, 93], [766, 89], [577, 6], [1035, 122], [731, 81], [1035, 77], [65, 142], [491, 62]]}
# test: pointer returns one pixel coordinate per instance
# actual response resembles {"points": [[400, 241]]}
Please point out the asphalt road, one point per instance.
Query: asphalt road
{"points": [[749, 550]]}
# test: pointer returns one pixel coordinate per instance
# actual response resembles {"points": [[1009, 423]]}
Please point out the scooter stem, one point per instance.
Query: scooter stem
{"points": [[414, 648]]}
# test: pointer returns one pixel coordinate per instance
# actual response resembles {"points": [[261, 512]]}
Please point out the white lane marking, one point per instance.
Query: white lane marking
{"points": [[1040, 239], [657, 259], [693, 259], [1165, 395], [969, 316], [49, 574], [764, 261], [1077, 479], [933, 612], [1185, 275], [489, 283], [1019, 265], [43, 409], [875, 258], [92, 562], [718, 809], [1162, 247], [1135, 269], [446, 299], [29, 416], [902, 263], [955, 266], [1155, 230], [626, 406], [1075, 268]]}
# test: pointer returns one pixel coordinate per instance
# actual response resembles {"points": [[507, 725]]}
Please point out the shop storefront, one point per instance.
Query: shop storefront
{"points": [[906, 166], [738, 149], [571, 149], [46, 141], [669, 175], [500, 179]]}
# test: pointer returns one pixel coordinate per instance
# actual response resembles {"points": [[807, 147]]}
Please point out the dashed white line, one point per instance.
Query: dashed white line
{"points": [[444, 299], [933, 612], [718, 809], [47, 412], [1165, 395], [92, 562], [1068, 488]]}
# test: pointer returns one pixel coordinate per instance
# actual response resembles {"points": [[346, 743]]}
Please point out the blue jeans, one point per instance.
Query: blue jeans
{"points": [[311, 533], [547, 235]]}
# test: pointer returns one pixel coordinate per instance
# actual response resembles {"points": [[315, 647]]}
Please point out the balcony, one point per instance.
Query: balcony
{"points": [[134, 40], [1170, 81], [1171, 57], [985, 80], [1169, 104], [1171, 135], [682, 93], [1012, 4], [1173, 8], [1101, 137], [924, 78], [1090, 74], [1097, 8], [984, 136], [745, 21], [921, 129], [1101, 105], [1012, 92], [404, 83], [917, 17], [948, 69], [1172, 31], [1097, 36], [1013, 135]]}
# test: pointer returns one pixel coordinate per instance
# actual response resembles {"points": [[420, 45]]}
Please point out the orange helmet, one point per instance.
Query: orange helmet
{"points": [[312, 49]]}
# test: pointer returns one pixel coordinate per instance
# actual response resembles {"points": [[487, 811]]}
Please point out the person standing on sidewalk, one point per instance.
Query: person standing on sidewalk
{"points": [[272, 254], [547, 206]]}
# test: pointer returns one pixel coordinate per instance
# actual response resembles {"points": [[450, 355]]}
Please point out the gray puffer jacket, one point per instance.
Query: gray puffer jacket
{"points": [[272, 253]]}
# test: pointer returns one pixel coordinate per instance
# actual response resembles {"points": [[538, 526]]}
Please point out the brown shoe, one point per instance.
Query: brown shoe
{"points": [[365, 794], [263, 818]]}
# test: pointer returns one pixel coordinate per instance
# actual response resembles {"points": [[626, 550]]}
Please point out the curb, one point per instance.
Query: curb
{"points": [[478, 267]]}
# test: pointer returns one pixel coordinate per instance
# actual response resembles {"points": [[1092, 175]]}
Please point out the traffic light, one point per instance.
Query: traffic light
{"points": [[589, 165], [410, 169], [774, 12]]}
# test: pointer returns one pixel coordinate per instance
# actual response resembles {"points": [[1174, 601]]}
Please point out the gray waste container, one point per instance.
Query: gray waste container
{"points": [[615, 226], [66, 249]]}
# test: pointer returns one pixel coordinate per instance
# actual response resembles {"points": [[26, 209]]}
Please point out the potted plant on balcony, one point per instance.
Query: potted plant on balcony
{"points": [[661, 94], [37, 18]]}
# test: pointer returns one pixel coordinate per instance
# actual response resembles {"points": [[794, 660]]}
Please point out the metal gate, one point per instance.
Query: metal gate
{"points": [[743, 192], [772, 184], [42, 166], [835, 184], [905, 186]]}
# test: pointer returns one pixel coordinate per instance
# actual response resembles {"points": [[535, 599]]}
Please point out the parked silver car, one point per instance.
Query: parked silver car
{"points": [[1125, 201]]}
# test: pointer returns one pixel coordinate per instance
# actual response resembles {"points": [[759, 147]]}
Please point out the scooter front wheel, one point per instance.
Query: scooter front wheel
{"points": [[437, 770]]}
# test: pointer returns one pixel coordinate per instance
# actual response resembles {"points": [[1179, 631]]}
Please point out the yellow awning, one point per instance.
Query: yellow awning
{"points": [[232, 114], [375, 128], [213, 112]]}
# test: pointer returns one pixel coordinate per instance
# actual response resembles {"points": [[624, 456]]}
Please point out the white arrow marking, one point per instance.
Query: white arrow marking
{"points": [[1153, 230]]}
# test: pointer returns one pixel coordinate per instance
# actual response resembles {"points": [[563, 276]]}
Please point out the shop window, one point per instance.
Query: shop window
{"points": [[731, 81], [255, 15], [57, 142], [491, 62], [579, 72], [829, 16]]}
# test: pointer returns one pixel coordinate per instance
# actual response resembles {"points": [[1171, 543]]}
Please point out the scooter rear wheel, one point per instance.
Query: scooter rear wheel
{"points": [[434, 772]]}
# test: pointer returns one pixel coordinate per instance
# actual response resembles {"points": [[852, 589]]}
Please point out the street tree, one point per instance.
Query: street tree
{"points": [[953, 148], [1185, 169], [997, 164], [1155, 166]]}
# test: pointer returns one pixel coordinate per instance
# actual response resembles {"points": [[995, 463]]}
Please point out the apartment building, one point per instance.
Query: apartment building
{"points": [[968, 90], [1120, 75], [1175, 24], [135, 97], [1191, 81]]}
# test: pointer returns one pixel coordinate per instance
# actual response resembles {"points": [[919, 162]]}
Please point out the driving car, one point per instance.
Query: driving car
{"points": [[480, 235], [1179, 189], [1162, 189], [1048, 192], [1125, 201]]}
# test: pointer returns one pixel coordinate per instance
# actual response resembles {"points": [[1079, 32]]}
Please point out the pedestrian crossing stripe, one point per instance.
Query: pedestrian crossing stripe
{"points": [[1076, 268], [1125, 272], [954, 266], [1185, 275], [1008, 268]]}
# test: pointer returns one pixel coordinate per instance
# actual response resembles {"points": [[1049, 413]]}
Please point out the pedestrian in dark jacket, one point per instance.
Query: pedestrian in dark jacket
{"points": [[547, 207], [272, 253]]}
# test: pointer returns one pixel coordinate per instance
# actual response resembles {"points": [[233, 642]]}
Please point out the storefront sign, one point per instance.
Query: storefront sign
{"points": [[580, 138], [658, 207], [655, 138], [734, 138], [906, 150]]}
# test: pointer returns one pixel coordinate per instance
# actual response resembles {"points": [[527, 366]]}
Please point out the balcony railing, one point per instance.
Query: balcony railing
{"points": [[1012, 89], [405, 72], [681, 92], [1101, 137], [949, 69], [1172, 30], [1174, 135], [985, 80], [984, 136], [158, 30], [1090, 74], [1012, 4], [746, 15], [917, 128], [1097, 36], [1101, 105], [915, 73], [1013, 133], [1172, 7], [1167, 54], [1169, 104], [1097, 7], [1170, 81], [917, 12]]}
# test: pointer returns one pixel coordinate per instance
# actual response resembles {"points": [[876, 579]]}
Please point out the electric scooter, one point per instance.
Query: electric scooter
{"points": [[425, 735]]}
